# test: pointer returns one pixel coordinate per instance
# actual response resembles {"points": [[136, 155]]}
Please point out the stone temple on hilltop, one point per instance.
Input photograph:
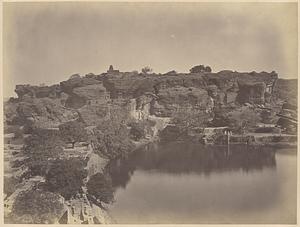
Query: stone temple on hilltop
{"points": [[111, 70]]}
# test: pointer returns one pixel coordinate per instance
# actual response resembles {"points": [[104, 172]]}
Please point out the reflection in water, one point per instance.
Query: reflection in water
{"points": [[189, 183], [180, 158]]}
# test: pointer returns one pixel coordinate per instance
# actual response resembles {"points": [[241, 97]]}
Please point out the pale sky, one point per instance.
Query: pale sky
{"points": [[48, 42]]}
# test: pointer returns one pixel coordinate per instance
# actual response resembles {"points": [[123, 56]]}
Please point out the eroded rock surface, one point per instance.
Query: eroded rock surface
{"points": [[92, 97]]}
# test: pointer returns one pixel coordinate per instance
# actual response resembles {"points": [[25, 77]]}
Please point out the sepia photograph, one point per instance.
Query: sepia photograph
{"points": [[149, 112]]}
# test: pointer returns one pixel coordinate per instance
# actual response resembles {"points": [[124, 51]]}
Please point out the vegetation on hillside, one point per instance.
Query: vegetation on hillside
{"points": [[194, 101], [73, 132], [65, 177], [111, 139], [100, 186], [139, 130], [40, 147], [200, 69], [146, 70], [185, 120], [36, 207]]}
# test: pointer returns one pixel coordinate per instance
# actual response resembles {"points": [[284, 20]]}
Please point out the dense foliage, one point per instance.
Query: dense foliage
{"points": [[267, 116], [40, 147], [184, 119], [36, 207], [66, 177], [200, 68], [111, 139], [146, 70], [139, 130], [100, 186], [73, 132]]}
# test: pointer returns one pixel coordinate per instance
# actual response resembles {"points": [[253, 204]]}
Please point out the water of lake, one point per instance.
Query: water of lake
{"points": [[189, 183]]}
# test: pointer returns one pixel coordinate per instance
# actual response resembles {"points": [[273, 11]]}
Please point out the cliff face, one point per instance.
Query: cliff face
{"points": [[226, 81], [196, 90], [93, 97], [252, 93], [82, 90], [173, 99]]}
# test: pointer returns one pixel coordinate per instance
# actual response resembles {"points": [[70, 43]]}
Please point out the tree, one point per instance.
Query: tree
{"points": [[207, 69], [137, 131], [200, 68], [36, 207], [73, 132], [111, 140], [219, 120], [140, 129], [146, 70], [186, 119], [43, 145], [100, 186], [66, 177]]}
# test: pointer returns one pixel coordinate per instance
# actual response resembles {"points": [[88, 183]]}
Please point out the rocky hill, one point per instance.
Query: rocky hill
{"points": [[92, 98]]}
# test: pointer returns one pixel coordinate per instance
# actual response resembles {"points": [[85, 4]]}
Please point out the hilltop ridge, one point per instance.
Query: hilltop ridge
{"points": [[91, 96]]}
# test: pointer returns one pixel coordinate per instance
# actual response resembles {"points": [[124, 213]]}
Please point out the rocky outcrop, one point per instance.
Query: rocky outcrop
{"points": [[160, 124], [96, 164], [44, 113], [91, 92], [139, 95], [38, 91], [68, 85], [173, 99], [134, 85], [94, 94], [253, 93], [84, 91]]}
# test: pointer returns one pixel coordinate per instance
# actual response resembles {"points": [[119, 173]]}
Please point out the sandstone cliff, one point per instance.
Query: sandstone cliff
{"points": [[93, 97]]}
